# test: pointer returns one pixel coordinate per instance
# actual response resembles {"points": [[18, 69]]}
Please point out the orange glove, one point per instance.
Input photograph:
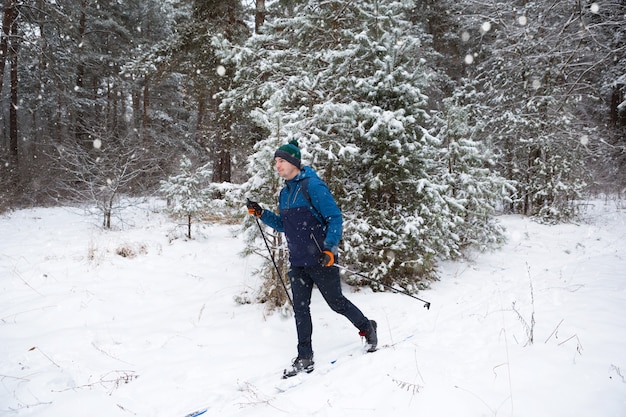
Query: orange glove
{"points": [[327, 258], [254, 208]]}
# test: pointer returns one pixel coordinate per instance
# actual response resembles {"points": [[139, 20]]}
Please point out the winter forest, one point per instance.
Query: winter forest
{"points": [[426, 118]]}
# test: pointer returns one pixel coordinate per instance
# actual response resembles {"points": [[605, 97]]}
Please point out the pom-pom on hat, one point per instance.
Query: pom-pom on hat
{"points": [[290, 153]]}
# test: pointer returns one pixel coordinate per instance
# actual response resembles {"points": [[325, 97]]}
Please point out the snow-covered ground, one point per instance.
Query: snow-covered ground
{"points": [[535, 329]]}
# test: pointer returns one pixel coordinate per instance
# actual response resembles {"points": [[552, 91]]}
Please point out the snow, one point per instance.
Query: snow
{"points": [[158, 332]]}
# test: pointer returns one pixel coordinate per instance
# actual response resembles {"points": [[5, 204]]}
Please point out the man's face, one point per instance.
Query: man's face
{"points": [[285, 169]]}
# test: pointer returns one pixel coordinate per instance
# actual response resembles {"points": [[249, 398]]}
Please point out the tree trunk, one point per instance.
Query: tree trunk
{"points": [[13, 49], [146, 102], [259, 16], [200, 120], [80, 133], [10, 13]]}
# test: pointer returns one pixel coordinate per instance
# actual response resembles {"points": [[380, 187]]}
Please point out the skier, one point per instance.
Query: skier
{"points": [[312, 223]]}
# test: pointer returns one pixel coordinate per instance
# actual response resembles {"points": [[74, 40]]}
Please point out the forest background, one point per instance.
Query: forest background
{"points": [[426, 118]]}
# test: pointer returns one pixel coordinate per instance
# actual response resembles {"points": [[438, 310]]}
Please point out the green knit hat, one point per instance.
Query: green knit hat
{"points": [[290, 153]]}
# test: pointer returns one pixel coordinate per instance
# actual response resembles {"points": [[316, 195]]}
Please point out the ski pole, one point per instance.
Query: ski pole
{"points": [[426, 303], [267, 245]]}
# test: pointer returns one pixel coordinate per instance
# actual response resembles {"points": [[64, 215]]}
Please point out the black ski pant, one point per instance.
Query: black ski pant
{"points": [[329, 284]]}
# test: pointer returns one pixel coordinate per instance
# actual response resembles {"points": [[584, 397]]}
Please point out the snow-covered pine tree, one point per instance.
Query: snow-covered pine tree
{"points": [[365, 127], [187, 193], [345, 79], [529, 72], [475, 189]]}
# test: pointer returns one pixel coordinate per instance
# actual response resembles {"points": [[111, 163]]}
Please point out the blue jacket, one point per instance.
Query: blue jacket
{"points": [[308, 227]]}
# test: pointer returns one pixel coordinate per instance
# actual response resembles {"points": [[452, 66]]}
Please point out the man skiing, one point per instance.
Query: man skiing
{"points": [[312, 223]]}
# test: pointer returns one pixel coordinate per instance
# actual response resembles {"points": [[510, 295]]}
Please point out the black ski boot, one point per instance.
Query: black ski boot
{"points": [[299, 365], [371, 338]]}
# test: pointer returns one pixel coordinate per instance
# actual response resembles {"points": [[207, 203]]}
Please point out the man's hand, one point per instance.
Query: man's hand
{"points": [[254, 208], [327, 258]]}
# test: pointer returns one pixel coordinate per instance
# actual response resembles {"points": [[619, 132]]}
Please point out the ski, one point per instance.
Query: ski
{"points": [[197, 413]]}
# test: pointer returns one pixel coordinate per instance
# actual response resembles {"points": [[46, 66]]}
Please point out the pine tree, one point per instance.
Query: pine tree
{"points": [[187, 192], [188, 58], [474, 188], [345, 79], [528, 69]]}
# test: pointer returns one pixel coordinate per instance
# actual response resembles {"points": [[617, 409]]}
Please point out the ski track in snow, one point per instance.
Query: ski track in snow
{"points": [[534, 329]]}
